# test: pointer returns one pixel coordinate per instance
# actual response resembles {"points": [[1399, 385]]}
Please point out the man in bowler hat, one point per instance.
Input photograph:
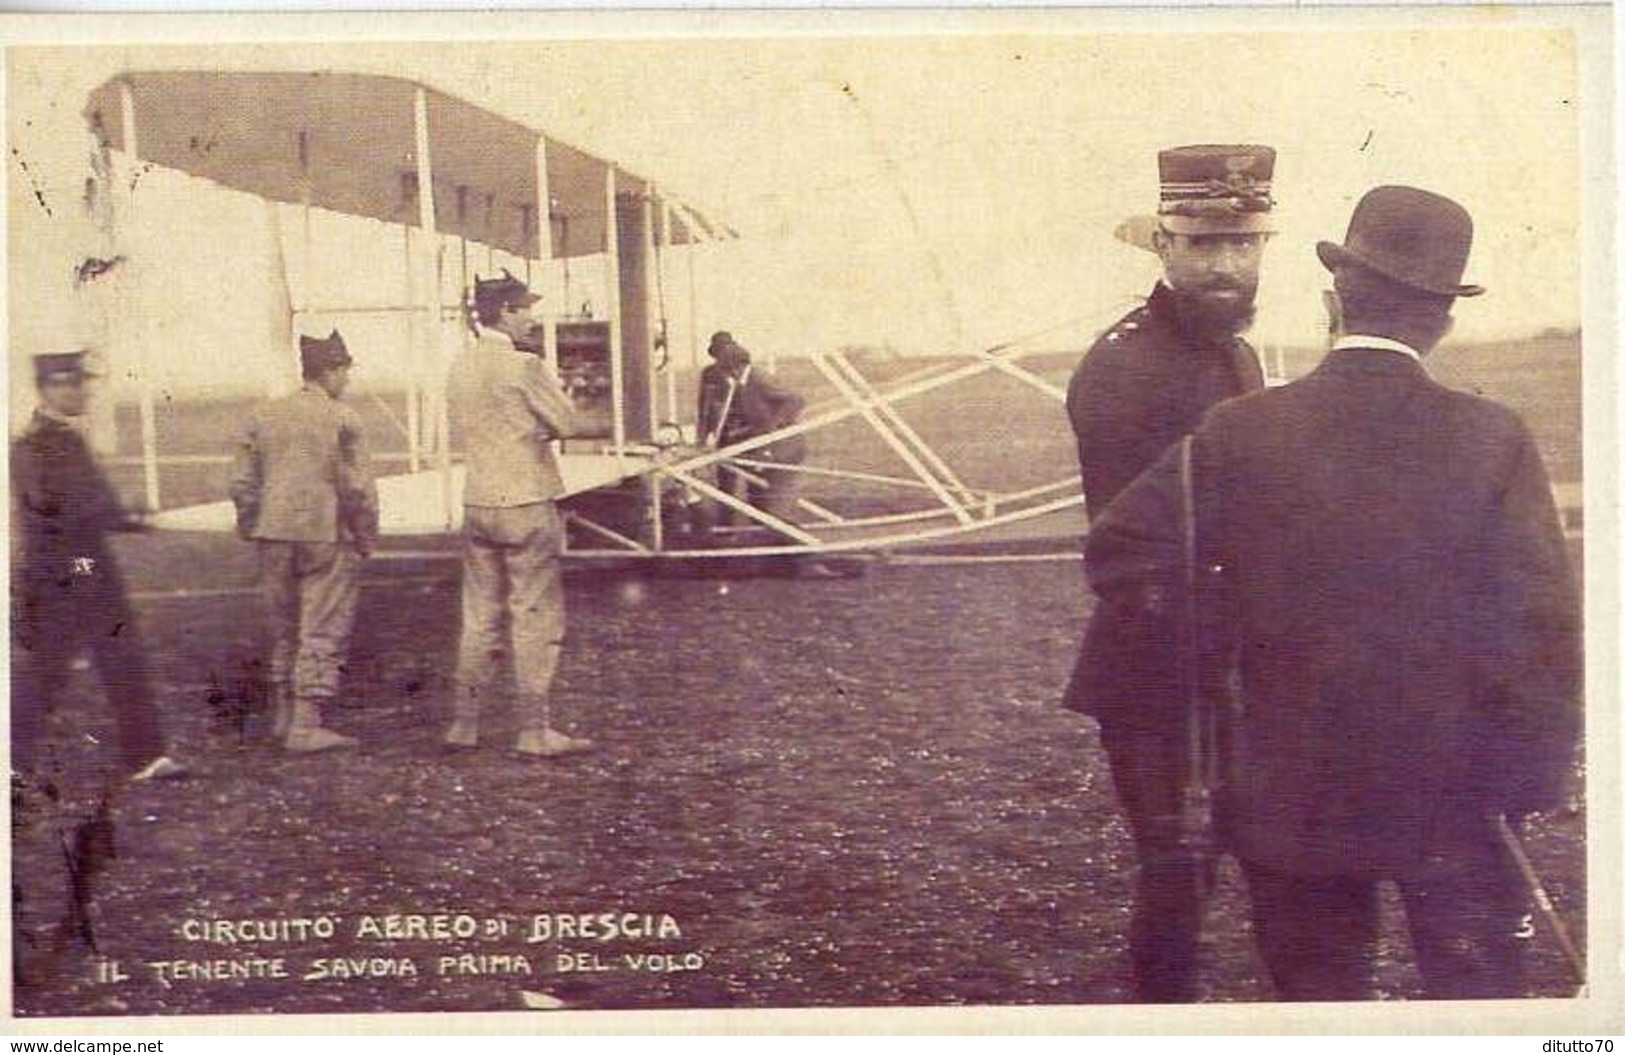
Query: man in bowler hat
{"points": [[1145, 383], [718, 424], [305, 494], [1388, 557], [509, 408], [68, 596], [738, 403]]}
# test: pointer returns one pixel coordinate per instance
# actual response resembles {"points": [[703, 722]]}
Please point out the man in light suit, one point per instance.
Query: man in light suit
{"points": [[1388, 556], [509, 408], [304, 492]]}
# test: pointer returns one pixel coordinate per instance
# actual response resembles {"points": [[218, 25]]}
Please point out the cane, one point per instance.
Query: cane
{"points": [[1196, 799], [1543, 900]]}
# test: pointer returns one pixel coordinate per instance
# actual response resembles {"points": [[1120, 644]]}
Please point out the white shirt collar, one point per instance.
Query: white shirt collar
{"points": [[1380, 344]]}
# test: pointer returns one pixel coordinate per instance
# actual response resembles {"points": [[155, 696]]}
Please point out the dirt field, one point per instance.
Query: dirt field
{"points": [[859, 792], [848, 793]]}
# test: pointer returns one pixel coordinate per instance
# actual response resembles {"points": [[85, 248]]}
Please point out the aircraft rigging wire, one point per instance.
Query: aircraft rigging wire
{"points": [[894, 171], [564, 252], [662, 345], [389, 414]]}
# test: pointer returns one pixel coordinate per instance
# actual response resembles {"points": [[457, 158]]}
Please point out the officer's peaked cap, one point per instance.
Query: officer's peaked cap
{"points": [[1216, 189]]}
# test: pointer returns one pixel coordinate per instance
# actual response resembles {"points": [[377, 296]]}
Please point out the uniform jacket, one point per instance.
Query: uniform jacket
{"points": [[303, 473], [507, 407], [62, 507], [1142, 386], [1405, 614]]}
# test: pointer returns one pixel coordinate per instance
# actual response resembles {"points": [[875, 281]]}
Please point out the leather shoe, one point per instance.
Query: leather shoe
{"points": [[161, 768], [819, 571], [310, 741]]}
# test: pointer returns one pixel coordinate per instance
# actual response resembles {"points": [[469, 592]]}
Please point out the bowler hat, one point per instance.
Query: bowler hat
{"points": [[501, 292], [60, 366], [317, 354], [727, 351], [1410, 236], [1216, 189], [719, 340]]}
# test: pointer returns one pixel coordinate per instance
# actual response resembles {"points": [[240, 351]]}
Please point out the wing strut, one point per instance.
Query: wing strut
{"points": [[149, 424], [430, 288]]}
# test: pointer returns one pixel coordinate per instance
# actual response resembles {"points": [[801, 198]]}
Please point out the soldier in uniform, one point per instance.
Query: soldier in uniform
{"points": [[1145, 383], [1388, 558], [305, 494], [509, 408], [67, 591]]}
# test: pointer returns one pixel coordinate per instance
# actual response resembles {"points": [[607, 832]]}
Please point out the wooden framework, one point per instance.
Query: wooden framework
{"points": [[444, 166]]}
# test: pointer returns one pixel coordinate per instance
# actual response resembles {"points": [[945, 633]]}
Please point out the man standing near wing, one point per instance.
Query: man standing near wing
{"points": [[1388, 556], [509, 408], [738, 403], [68, 593], [305, 494]]}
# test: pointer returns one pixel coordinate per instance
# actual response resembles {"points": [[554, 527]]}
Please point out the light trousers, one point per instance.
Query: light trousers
{"points": [[309, 591], [513, 604]]}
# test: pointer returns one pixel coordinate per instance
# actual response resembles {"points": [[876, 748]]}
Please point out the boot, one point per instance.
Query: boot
{"points": [[464, 732], [281, 711], [305, 732]]}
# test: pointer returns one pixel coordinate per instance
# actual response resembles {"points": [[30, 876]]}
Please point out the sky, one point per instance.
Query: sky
{"points": [[927, 193]]}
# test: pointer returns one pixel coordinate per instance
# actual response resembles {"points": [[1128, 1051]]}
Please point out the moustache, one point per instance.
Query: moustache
{"points": [[1247, 289]]}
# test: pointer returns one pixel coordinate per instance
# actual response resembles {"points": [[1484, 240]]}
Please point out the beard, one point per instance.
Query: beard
{"points": [[1217, 313]]}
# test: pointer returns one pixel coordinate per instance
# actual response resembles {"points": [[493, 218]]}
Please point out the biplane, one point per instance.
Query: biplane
{"points": [[462, 187]]}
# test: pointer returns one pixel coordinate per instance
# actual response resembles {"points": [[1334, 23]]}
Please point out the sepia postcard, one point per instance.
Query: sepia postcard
{"points": [[558, 522]]}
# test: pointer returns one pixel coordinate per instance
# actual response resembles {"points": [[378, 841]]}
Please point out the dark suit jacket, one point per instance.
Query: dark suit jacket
{"points": [[1144, 384], [1390, 558], [759, 405]]}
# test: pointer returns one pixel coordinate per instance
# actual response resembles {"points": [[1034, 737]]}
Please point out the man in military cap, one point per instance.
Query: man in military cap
{"points": [[1388, 557], [67, 592], [1145, 383], [509, 408], [304, 492]]}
